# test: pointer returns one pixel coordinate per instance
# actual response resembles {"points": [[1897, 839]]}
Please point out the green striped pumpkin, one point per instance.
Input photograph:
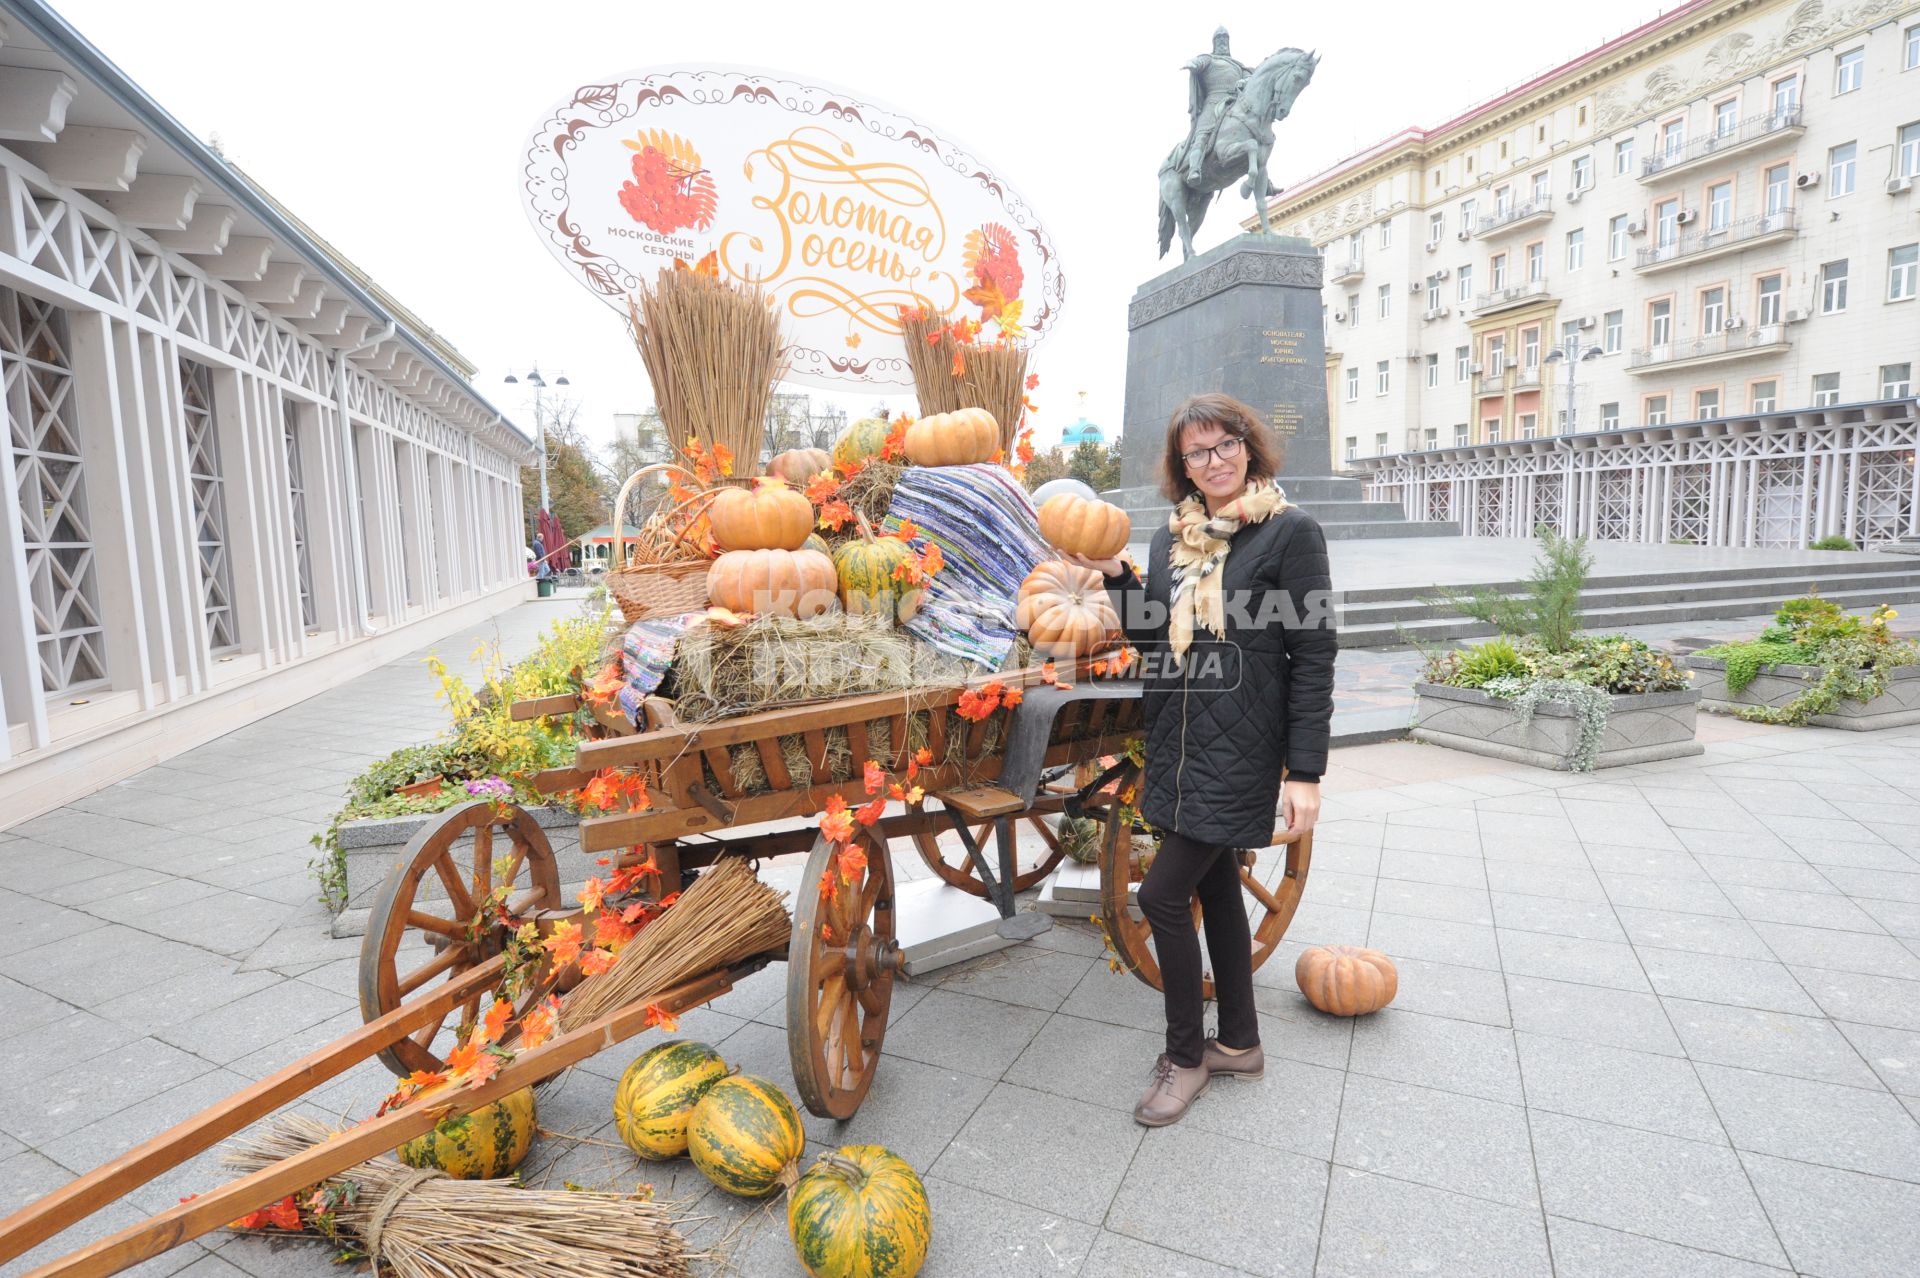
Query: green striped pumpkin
{"points": [[744, 1136], [865, 567], [484, 1145], [864, 439], [657, 1094], [815, 541], [860, 1213]]}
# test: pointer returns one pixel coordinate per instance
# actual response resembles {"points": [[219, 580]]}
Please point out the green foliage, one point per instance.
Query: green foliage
{"points": [[1612, 663], [1549, 608], [1494, 659], [1856, 656], [1590, 708], [1832, 543]]}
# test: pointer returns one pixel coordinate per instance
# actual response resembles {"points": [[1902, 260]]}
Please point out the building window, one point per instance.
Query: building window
{"points": [[1467, 222], [1610, 416], [1902, 263], [1769, 308], [1461, 436], [1569, 333], [36, 395], [1826, 389], [1660, 323], [1490, 430], [1778, 186], [1357, 247], [1912, 59], [1763, 395], [1719, 206], [1502, 201], [1380, 444], [1623, 157], [1431, 437], [1840, 170], [1666, 221], [209, 505], [1463, 291], [1353, 310], [1896, 381], [1530, 349], [1353, 447], [1436, 228], [297, 503], [1726, 116], [1382, 375], [1848, 69], [1582, 172], [1433, 370], [1786, 96], [1673, 137], [1542, 187], [1908, 159], [1616, 238], [1613, 332], [1576, 249], [1713, 310], [1833, 287], [1383, 300], [1326, 320], [1706, 404], [1462, 363], [1529, 425], [1386, 234], [1536, 262], [1353, 384], [1655, 412], [1496, 354], [1499, 265]]}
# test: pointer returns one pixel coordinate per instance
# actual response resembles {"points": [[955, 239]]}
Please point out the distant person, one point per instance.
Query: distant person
{"points": [[1251, 698]]}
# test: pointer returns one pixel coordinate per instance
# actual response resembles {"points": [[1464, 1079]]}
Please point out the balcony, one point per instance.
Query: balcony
{"points": [[1526, 378], [1701, 246], [1515, 216], [1505, 299], [1744, 136], [1491, 383], [1345, 272], [1717, 348]]}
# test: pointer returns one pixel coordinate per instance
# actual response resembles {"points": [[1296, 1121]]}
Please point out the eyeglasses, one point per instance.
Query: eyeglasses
{"points": [[1226, 450]]}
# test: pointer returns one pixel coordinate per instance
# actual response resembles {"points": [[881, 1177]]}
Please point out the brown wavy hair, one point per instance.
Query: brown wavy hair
{"points": [[1264, 453]]}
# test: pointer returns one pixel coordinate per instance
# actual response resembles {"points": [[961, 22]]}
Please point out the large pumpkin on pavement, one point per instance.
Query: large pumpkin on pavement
{"points": [[745, 1135], [860, 1213], [657, 1095], [484, 1145], [1346, 980]]}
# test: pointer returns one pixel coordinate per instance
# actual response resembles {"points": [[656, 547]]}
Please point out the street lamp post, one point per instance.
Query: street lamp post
{"points": [[539, 384], [1569, 350]]}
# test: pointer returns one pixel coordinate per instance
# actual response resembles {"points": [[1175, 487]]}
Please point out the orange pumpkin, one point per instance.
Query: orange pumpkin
{"points": [[1096, 529], [959, 438], [798, 465], [1346, 980], [1065, 610], [768, 516], [786, 583]]}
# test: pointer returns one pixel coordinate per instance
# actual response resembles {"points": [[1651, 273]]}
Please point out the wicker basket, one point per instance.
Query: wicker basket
{"points": [[673, 577]]}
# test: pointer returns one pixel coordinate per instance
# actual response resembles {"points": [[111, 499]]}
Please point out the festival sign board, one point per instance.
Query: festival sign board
{"points": [[844, 209]]}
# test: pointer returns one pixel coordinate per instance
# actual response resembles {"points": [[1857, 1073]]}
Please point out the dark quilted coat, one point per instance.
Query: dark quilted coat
{"points": [[1218, 738]]}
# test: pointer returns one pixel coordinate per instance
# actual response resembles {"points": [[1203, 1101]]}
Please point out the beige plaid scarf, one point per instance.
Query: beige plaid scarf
{"points": [[1198, 552]]}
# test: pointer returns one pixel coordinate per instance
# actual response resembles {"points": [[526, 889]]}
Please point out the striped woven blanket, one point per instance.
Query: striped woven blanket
{"points": [[645, 655], [984, 524]]}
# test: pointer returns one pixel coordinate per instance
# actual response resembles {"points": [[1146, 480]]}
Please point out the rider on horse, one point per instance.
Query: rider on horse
{"points": [[1213, 81]]}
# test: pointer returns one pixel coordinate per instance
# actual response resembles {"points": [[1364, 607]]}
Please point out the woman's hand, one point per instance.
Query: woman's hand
{"points": [[1105, 567], [1300, 805]]}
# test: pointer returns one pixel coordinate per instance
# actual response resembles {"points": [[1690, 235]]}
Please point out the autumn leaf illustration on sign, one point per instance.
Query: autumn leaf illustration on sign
{"points": [[992, 260], [669, 191]]}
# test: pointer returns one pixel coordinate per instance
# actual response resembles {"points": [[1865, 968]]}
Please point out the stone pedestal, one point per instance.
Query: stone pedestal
{"points": [[1243, 319]]}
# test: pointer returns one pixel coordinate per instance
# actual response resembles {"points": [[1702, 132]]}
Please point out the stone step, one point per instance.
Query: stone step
{"points": [[1859, 563], [1396, 634], [1387, 528], [1614, 597]]}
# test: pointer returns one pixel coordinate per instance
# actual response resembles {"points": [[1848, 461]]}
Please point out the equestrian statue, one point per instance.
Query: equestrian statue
{"points": [[1231, 113]]}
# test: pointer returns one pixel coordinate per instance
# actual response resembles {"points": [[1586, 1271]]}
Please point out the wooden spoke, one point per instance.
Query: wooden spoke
{"points": [[1270, 907], [403, 913], [840, 970]]}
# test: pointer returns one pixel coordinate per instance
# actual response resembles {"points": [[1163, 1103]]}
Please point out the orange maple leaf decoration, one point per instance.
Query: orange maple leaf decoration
{"points": [[868, 813], [597, 960], [837, 824], [484, 1068], [835, 515], [658, 1016], [462, 1059], [593, 894], [564, 943], [284, 1214], [539, 1024], [494, 1024], [1033, 380], [875, 777], [822, 487]]}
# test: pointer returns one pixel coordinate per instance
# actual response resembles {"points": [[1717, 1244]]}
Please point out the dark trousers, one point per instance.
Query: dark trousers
{"points": [[1183, 869]]}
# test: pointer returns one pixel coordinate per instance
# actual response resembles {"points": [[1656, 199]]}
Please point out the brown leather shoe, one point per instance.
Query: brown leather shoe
{"points": [[1173, 1091], [1251, 1063]]}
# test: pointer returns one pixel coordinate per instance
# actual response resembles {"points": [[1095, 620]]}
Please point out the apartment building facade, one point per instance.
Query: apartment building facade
{"points": [[1713, 215]]}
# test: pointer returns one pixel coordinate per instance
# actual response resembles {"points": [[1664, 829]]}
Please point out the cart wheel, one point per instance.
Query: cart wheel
{"points": [[840, 977], [959, 871], [433, 896], [1272, 881]]}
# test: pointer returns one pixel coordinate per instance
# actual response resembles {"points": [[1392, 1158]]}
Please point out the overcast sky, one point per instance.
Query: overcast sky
{"points": [[395, 130]]}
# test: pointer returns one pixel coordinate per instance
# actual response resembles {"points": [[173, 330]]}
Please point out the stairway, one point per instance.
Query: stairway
{"points": [[1387, 617], [1338, 503]]}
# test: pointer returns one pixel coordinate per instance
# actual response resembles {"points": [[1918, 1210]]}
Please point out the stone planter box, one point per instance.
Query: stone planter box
{"points": [[374, 847], [1898, 706], [1641, 727]]}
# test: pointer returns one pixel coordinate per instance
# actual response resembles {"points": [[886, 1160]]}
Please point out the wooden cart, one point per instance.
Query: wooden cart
{"points": [[426, 963]]}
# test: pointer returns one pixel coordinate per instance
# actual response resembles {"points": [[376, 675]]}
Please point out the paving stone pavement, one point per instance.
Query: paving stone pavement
{"points": [[1662, 1020]]}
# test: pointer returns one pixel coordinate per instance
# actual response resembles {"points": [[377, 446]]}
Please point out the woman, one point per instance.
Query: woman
{"points": [[1238, 594]]}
